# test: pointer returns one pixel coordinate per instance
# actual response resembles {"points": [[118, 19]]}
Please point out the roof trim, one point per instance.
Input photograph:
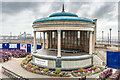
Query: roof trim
{"points": [[63, 14], [60, 19]]}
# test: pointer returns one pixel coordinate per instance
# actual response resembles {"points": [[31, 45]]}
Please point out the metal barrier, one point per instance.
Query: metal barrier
{"points": [[12, 75], [101, 57]]}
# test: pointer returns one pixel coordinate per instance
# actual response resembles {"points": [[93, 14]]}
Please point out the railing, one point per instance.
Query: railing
{"points": [[20, 41], [100, 56], [12, 75], [106, 42]]}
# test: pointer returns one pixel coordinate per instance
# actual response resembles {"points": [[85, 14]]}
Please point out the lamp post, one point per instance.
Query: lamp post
{"points": [[24, 35], [20, 36], [118, 37], [40, 36], [10, 35], [108, 38], [110, 35], [102, 35]]}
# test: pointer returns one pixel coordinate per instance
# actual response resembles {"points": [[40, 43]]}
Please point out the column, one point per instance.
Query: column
{"points": [[93, 42], [43, 40], [34, 42], [40, 37], [59, 43], [95, 29], [47, 39], [50, 39], [90, 43]]}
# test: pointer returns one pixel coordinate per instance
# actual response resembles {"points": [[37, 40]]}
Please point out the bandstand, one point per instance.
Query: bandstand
{"points": [[69, 44]]}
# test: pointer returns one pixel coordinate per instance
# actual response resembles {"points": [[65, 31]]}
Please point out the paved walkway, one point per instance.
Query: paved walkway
{"points": [[14, 65]]}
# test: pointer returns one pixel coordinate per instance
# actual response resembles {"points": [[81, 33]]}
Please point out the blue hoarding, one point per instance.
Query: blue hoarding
{"points": [[27, 47], [113, 59], [5, 46]]}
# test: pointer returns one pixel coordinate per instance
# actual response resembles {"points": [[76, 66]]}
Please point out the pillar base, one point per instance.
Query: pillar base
{"points": [[34, 51], [90, 53], [58, 62], [43, 48], [58, 56]]}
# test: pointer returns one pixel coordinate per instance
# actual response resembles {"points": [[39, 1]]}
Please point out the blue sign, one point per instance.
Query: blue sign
{"points": [[27, 47]]}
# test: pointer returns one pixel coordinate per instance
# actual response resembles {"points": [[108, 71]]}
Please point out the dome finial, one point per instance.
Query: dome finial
{"points": [[63, 8]]}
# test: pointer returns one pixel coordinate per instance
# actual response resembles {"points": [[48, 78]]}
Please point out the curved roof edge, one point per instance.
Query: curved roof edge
{"points": [[63, 14], [60, 19]]}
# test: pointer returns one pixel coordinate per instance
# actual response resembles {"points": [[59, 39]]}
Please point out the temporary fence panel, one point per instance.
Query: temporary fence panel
{"points": [[113, 59], [28, 47]]}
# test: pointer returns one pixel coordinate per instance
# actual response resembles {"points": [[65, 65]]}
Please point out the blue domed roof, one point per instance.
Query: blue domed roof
{"points": [[60, 18], [63, 14]]}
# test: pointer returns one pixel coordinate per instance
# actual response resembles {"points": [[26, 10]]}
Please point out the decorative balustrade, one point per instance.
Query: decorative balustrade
{"points": [[12, 75]]}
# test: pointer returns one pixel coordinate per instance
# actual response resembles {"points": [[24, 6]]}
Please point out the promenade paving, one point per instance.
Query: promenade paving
{"points": [[14, 65]]}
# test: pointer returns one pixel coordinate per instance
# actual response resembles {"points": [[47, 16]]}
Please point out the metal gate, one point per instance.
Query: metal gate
{"points": [[113, 59]]}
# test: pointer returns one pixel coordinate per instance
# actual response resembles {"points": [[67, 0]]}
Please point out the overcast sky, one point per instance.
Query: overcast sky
{"points": [[18, 16]]}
